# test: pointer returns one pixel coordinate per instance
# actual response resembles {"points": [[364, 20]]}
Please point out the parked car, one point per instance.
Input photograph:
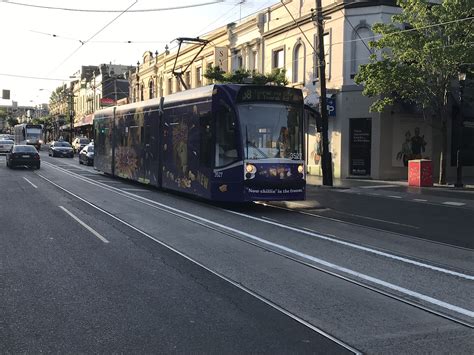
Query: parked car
{"points": [[79, 143], [86, 155], [23, 155], [60, 149], [6, 145], [7, 136]]}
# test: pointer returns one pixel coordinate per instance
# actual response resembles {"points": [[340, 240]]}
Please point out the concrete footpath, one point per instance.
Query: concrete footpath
{"points": [[352, 182], [442, 195]]}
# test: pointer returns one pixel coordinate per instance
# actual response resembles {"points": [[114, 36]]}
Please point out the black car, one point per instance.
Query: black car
{"points": [[60, 149], [23, 155], [86, 155]]}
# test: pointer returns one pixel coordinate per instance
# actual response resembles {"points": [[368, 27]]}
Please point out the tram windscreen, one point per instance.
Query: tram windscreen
{"points": [[33, 133], [271, 130]]}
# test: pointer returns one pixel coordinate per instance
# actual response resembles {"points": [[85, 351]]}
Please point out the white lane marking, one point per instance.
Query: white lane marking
{"points": [[191, 217], [359, 247], [222, 276], [136, 190], [374, 193], [149, 202], [152, 203], [419, 200], [450, 203], [377, 186], [109, 181], [84, 225], [30, 182], [376, 219], [394, 196]]}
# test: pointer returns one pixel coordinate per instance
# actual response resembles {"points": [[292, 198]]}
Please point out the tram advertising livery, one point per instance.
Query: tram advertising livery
{"points": [[220, 142]]}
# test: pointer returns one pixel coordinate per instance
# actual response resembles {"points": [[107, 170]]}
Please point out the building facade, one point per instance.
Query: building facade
{"points": [[363, 144]]}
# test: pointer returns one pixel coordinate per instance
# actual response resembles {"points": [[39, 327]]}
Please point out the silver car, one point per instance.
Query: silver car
{"points": [[6, 145]]}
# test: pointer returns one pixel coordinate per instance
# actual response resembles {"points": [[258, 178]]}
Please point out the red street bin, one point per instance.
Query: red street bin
{"points": [[420, 173]]}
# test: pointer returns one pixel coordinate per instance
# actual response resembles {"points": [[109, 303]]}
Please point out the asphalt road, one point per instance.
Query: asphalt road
{"points": [[181, 275], [64, 290]]}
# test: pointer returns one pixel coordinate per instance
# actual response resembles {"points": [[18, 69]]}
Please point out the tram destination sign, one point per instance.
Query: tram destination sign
{"points": [[270, 93]]}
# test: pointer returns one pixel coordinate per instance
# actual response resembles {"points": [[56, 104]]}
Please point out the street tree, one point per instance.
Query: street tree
{"points": [[12, 121], [417, 60], [3, 117], [244, 76]]}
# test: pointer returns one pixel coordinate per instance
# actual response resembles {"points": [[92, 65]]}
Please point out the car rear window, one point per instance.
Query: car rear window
{"points": [[90, 149], [83, 141], [62, 144], [6, 141], [24, 149]]}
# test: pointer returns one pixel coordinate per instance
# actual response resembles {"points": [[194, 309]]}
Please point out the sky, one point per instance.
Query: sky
{"points": [[48, 45]]}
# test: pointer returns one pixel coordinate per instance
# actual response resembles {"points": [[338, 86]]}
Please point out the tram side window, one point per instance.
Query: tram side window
{"points": [[205, 141], [226, 143]]}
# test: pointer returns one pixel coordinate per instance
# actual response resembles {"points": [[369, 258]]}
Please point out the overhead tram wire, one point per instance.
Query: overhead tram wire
{"points": [[90, 38], [31, 77], [78, 40], [111, 11]]}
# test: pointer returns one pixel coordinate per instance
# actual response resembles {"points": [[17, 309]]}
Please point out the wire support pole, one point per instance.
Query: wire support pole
{"points": [[326, 158]]}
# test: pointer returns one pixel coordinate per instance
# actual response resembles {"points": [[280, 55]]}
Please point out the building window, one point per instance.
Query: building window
{"points": [[198, 77], [170, 86], [327, 55], [237, 61], [151, 89], [187, 79], [141, 93], [360, 50], [299, 56], [278, 58], [253, 60], [178, 85]]}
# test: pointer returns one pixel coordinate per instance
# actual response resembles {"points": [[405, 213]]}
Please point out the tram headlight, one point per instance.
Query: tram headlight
{"points": [[251, 169], [300, 168]]}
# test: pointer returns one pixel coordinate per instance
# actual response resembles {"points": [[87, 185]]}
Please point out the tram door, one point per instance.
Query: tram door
{"points": [[150, 146]]}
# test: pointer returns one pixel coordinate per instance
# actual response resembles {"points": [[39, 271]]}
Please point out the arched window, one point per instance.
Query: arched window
{"points": [[141, 93], [299, 55], [360, 53], [151, 90]]}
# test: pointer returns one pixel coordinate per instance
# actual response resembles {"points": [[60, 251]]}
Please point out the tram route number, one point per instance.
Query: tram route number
{"points": [[218, 174], [295, 156]]}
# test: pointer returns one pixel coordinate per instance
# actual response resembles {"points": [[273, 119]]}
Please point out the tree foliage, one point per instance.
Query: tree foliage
{"points": [[12, 121], [244, 76], [420, 63]]}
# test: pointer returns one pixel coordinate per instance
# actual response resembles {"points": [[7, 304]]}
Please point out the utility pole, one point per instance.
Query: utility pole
{"points": [[70, 97], [326, 158]]}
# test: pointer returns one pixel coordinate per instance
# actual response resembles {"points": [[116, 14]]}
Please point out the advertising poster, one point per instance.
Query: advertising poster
{"points": [[411, 140]]}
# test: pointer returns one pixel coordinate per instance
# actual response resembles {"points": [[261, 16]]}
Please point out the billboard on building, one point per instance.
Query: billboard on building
{"points": [[220, 59], [412, 139]]}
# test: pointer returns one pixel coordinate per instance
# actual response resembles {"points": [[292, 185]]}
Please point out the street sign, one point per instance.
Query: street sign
{"points": [[105, 101], [331, 105]]}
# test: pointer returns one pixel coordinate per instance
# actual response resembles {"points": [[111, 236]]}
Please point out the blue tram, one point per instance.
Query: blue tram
{"points": [[220, 142]]}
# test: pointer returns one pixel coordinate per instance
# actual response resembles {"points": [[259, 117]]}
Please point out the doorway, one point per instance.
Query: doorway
{"points": [[360, 143]]}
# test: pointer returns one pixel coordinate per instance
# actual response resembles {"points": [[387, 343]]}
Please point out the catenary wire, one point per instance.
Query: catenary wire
{"points": [[111, 11], [95, 34]]}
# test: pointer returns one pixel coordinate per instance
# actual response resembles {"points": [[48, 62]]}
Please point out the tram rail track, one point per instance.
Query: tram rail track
{"points": [[214, 272], [229, 232]]}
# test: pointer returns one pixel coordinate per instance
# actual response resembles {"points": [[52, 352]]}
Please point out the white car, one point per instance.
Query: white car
{"points": [[6, 145], [79, 143]]}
